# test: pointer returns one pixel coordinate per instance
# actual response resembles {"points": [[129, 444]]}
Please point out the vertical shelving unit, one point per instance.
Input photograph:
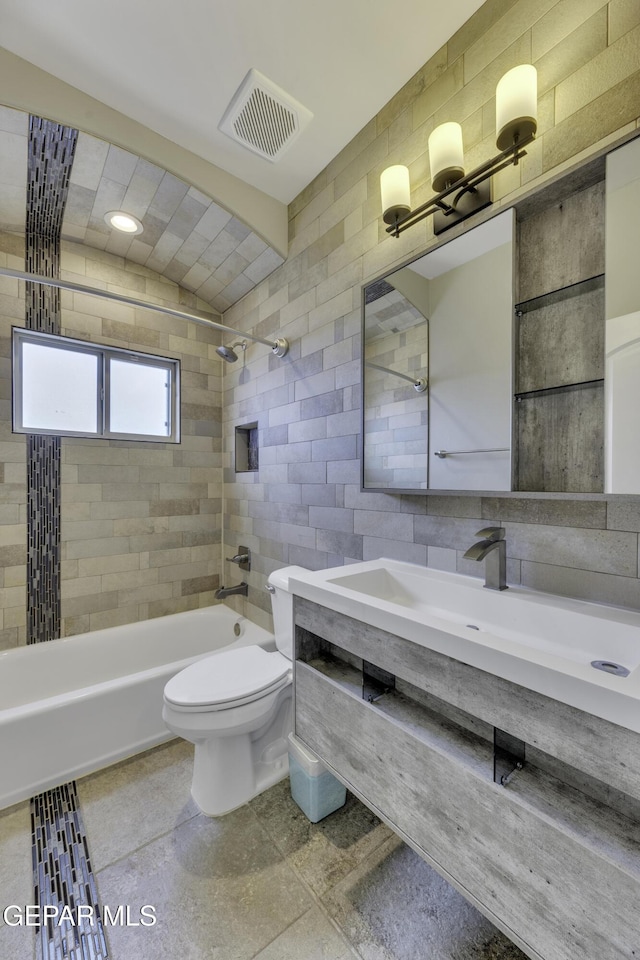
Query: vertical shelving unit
{"points": [[559, 380]]}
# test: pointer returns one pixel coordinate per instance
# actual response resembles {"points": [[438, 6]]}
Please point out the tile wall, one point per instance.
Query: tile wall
{"points": [[305, 505], [140, 521]]}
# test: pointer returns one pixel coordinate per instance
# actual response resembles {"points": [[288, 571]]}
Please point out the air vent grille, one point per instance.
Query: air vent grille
{"points": [[264, 118]]}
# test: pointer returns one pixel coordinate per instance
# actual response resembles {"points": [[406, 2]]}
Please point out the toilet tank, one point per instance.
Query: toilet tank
{"points": [[282, 608]]}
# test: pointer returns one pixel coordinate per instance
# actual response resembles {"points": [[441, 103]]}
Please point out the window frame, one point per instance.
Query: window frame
{"points": [[104, 354]]}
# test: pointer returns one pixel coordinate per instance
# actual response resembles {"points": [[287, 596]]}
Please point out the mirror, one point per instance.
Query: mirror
{"points": [[529, 360], [437, 380]]}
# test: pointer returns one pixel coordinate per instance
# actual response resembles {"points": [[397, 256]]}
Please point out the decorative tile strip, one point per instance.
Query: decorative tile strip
{"points": [[63, 878], [50, 157]]}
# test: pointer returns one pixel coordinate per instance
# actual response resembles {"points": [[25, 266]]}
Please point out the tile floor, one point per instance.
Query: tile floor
{"points": [[260, 884]]}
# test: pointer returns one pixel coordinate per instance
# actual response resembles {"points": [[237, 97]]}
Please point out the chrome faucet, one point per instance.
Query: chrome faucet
{"points": [[240, 589], [493, 547]]}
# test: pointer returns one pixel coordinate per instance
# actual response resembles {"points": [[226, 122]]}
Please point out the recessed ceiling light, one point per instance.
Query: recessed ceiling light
{"points": [[123, 221]]}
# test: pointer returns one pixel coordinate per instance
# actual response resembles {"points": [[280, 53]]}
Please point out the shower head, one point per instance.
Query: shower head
{"points": [[228, 353]]}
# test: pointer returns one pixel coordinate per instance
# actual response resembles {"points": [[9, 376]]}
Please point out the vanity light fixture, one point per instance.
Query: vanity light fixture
{"points": [[125, 222], [459, 195]]}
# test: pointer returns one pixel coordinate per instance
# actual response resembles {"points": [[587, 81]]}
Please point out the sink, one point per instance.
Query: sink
{"points": [[543, 642]]}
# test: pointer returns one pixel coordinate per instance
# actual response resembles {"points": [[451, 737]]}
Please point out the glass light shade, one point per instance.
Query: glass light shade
{"points": [[395, 192], [446, 155], [516, 105]]}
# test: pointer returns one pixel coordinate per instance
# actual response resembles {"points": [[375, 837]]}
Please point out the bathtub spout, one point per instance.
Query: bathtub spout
{"points": [[224, 592]]}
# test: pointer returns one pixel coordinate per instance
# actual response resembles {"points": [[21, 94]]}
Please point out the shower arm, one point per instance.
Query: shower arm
{"points": [[279, 347]]}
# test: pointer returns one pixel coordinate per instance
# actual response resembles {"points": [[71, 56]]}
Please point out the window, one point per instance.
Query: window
{"points": [[71, 388]]}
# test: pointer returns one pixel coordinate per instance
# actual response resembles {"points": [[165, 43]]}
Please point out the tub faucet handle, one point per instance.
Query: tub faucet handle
{"points": [[242, 558]]}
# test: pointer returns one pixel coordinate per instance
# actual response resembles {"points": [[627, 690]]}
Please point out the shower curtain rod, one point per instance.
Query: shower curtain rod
{"points": [[279, 347], [419, 383]]}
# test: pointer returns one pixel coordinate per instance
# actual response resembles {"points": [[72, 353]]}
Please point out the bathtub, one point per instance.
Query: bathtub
{"points": [[72, 706]]}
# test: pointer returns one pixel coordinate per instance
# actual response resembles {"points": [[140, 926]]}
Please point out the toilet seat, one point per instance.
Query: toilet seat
{"points": [[227, 680]]}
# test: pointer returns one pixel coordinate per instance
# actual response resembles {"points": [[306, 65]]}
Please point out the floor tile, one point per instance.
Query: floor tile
{"points": [[325, 852], [17, 943], [312, 937], [127, 805], [16, 872], [220, 889], [396, 907]]}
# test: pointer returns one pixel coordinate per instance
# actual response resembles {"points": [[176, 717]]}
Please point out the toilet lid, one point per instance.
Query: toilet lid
{"points": [[236, 675]]}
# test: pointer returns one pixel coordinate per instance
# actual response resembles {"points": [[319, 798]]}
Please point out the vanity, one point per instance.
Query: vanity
{"points": [[497, 733]]}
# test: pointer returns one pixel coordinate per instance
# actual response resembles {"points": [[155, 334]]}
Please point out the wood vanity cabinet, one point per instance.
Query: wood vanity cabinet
{"points": [[553, 858]]}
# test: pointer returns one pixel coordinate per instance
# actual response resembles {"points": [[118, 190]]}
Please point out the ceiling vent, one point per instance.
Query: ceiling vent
{"points": [[263, 118]]}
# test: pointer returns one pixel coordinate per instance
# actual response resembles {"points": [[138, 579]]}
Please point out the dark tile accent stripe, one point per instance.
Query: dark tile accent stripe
{"points": [[50, 157], [63, 878], [43, 538]]}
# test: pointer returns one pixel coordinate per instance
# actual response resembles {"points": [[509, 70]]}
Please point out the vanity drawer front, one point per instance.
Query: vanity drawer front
{"points": [[536, 862]]}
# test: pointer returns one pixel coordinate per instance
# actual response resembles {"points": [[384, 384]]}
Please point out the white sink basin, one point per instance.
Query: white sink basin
{"points": [[540, 641]]}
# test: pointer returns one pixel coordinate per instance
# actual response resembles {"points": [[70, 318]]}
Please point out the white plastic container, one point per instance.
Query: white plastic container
{"points": [[316, 791]]}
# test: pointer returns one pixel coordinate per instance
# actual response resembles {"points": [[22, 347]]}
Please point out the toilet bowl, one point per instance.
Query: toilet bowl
{"points": [[236, 708]]}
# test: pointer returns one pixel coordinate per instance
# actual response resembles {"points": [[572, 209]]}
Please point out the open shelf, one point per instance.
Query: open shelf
{"points": [[560, 388], [562, 293]]}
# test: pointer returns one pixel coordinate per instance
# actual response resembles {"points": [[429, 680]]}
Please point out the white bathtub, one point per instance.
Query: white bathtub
{"points": [[71, 706]]}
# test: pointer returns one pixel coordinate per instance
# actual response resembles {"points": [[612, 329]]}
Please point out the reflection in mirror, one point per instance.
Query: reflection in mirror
{"points": [[395, 412], [444, 320]]}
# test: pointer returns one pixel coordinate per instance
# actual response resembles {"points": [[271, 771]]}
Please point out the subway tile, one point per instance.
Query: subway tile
{"points": [[624, 15], [559, 22], [343, 424], [321, 405], [442, 558], [454, 506], [343, 471], [334, 448], [450, 532], [295, 452], [319, 494], [563, 513], [623, 514], [343, 544], [590, 585], [331, 518], [615, 64], [314, 429], [282, 512], [283, 493], [307, 472], [575, 50], [375, 547], [388, 526], [596, 120], [308, 558], [517, 20], [601, 551]]}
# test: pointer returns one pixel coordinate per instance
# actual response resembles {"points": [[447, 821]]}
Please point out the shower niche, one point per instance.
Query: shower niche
{"points": [[246, 449]]}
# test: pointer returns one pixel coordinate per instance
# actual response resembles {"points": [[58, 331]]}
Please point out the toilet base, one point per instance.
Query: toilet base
{"points": [[228, 771]]}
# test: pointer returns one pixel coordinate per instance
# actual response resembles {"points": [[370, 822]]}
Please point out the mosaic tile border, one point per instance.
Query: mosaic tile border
{"points": [[51, 151], [63, 878]]}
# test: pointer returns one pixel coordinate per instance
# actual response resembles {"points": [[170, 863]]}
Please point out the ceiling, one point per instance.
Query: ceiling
{"points": [[174, 67]]}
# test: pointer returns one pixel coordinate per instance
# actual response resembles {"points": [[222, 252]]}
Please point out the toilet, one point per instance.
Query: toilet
{"points": [[235, 706]]}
